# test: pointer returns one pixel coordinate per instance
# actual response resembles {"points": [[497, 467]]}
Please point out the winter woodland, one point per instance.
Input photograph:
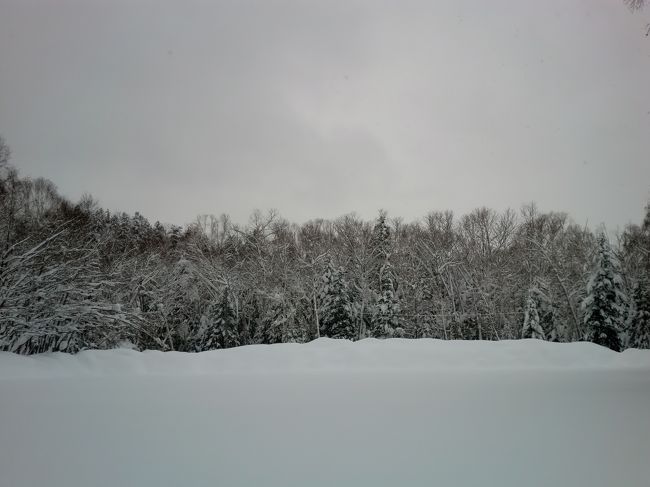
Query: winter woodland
{"points": [[74, 276]]}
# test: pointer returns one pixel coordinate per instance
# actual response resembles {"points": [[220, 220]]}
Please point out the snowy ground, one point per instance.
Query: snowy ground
{"points": [[329, 413]]}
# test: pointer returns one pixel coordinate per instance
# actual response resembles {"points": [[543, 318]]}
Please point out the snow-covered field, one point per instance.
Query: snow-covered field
{"points": [[329, 413]]}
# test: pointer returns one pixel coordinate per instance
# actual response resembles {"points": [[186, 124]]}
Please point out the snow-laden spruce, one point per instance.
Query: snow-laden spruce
{"points": [[335, 318], [605, 302], [639, 319], [532, 327]]}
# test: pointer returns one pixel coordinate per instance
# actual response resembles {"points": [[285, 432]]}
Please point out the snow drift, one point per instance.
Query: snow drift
{"points": [[370, 413]]}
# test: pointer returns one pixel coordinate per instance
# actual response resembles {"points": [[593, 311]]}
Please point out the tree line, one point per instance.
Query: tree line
{"points": [[74, 276]]}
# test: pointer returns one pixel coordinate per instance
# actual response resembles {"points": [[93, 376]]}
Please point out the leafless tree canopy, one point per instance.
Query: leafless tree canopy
{"points": [[635, 4]]}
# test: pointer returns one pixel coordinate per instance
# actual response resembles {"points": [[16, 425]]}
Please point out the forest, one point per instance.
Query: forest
{"points": [[74, 276]]}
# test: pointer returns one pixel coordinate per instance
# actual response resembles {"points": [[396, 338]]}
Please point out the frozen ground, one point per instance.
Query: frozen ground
{"points": [[329, 413]]}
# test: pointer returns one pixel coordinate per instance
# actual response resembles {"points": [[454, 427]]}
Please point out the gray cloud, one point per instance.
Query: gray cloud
{"points": [[317, 109]]}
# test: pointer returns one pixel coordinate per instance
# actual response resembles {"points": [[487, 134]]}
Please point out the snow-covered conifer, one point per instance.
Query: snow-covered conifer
{"points": [[532, 327], [274, 324], [386, 322], [335, 318], [218, 326], [604, 304], [381, 245], [639, 320]]}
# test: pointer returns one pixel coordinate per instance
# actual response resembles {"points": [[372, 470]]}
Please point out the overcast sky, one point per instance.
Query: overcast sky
{"points": [[322, 108]]}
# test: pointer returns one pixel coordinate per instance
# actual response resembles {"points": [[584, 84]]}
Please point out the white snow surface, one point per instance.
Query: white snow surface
{"points": [[329, 413]]}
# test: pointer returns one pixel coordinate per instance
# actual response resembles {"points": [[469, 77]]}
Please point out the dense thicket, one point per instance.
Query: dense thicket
{"points": [[74, 276]]}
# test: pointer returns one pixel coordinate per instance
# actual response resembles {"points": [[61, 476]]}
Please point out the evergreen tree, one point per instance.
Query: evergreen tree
{"points": [[178, 306], [380, 242], [219, 326], [249, 319], [274, 324], [553, 328], [386, 321], [293, 332], [228, 320], [380, 249], [256, 323], [335, 317], [532, 327], [639, 323], [604, 303]]}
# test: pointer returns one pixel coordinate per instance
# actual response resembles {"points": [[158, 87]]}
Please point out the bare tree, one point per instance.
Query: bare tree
{"points": [[635, 4]]}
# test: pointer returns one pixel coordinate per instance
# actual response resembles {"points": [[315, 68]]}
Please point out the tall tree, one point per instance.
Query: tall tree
{"points": [[532, 327], [336, 318], [380, 248], [275, 323], [554, 329], [218, 325], [639, 321], [386, 323], [604, 304]]}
